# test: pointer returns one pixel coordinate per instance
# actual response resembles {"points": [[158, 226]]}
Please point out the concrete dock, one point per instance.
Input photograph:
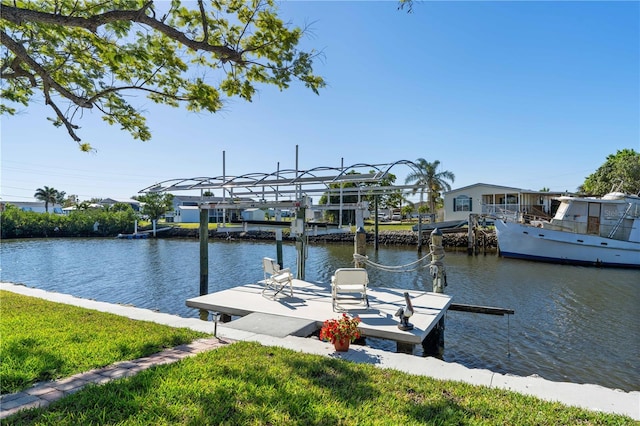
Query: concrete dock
{"points": [[311, 306], [589, 396]]}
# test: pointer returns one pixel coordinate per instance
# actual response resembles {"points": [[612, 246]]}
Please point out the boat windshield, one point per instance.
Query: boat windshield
{"points": [[562, 210]]}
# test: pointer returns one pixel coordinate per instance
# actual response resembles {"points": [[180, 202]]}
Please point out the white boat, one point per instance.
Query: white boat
{"points": [[584, 231]]}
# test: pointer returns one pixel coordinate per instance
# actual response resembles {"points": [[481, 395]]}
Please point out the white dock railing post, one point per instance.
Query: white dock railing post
{"points": [[360, 245]]}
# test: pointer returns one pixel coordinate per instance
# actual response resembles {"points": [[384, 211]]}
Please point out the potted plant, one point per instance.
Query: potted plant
{"points": [[341, 331]]}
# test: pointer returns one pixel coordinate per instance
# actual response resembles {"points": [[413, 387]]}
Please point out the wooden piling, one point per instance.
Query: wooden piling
{"points": [[471, 226], [204, 258], [204, 251], [433, 344], [404, 348]]}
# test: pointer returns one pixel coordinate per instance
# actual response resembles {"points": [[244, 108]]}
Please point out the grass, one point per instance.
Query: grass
{"points": [[42, 340], [244, 383]]}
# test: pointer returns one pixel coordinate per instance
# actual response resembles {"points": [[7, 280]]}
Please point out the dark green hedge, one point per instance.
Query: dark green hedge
{"points": [[15, 223]]}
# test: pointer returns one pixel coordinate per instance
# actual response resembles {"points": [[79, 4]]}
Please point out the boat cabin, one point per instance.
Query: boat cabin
{"points": [[615, 216]]}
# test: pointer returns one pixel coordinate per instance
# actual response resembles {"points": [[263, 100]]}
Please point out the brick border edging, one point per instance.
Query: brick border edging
{"points": [[44, 393]]}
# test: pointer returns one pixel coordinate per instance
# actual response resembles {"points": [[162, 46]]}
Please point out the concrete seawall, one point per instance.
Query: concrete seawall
{"points": [[385, 238], [589, 396]]}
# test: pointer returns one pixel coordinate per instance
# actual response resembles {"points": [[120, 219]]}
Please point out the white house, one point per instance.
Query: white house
{"points": [[186, 210], [34, 206], [483, 198]]}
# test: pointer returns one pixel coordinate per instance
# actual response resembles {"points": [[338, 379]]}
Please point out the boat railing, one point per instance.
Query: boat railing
{"points": [[500, 213]]}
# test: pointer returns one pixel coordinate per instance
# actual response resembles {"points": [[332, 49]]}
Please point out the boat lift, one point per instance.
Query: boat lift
{"points": [[290, 189]]}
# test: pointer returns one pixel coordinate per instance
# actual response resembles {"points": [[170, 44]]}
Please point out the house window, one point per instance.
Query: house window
{"points": [[462, 203]]}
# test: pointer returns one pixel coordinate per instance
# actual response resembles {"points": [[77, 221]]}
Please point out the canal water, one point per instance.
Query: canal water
{"points": [[571, 323]]}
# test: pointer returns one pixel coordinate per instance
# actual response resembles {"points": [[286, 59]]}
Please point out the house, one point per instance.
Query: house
{"points": [[186, 210], [33, 206], [135, 204], [496, 200]]}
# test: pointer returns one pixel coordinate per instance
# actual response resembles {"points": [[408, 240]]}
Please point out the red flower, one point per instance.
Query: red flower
{"points": [[340, 329]]}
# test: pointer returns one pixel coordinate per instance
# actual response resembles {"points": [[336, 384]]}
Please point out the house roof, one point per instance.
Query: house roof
{"points": [[197, 199], [119, 200], [503, 188], [30, 203]]}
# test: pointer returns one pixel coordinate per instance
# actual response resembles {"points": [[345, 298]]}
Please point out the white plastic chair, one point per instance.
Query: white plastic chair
{"points": [[347, 282], [275, 279]]}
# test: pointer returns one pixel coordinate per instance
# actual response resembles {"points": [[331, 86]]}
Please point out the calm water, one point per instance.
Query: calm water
{"points": [[571, 323]]}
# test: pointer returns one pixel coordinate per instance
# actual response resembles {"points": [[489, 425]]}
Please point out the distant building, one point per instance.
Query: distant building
{"points": [[186, 210], [33, 206], [496, 200], [135, 204]]}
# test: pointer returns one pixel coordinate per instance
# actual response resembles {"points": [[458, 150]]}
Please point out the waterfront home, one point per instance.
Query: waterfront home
{"points": [[33, 206], [496, 200], [186, 209]]}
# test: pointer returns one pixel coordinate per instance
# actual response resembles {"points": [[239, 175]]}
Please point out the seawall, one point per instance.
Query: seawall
{"points": [[385, 238]]}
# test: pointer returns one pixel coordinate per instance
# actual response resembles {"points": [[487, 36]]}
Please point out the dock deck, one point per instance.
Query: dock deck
{"points": [[312, 302]]}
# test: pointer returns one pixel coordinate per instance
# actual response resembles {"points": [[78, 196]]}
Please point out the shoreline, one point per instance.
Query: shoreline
{"points": [[589, 396], [450, 240]]}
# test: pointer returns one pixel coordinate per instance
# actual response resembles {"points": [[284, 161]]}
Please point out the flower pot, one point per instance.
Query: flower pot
{"points": [[341, 345]]}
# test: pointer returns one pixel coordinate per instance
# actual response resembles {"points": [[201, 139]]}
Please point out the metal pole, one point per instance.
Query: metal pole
{"points": [[375, 232], [341, 185], [420, 222], [360, 245], [278, 230]]}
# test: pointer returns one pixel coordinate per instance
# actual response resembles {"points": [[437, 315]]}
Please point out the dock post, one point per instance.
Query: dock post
{"points": [[204, 258], [360, 243], [433, 344], [279, 242], [375, 226], [404, 348], [470, 238], [420, 223], [301, 215]]}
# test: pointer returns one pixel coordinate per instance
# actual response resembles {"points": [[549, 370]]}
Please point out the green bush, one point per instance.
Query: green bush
{"points": [[17, 223]]}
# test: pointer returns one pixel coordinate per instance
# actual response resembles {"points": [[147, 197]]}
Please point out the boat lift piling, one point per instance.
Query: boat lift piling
{"points": [[473, 236], [433, 344], [204, 258]]}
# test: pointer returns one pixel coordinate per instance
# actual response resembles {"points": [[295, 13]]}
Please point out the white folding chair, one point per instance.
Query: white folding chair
{"points": [[349, 287], [275, 279]]}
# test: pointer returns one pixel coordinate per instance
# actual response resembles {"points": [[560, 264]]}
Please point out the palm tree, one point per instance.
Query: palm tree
{"points": [[48, 195], [427, 177]]}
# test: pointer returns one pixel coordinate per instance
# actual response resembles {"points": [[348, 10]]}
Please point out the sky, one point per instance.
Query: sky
{"points": [[524, 94]]}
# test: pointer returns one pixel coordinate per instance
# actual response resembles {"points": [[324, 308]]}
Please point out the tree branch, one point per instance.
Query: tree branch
{"points": [[205, 27], [21, 53], [18, 15], [70, 127]]}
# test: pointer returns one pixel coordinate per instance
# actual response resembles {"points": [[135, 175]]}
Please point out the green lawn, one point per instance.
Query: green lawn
{"points": [[238, 384], [246, 383], [42, 340]]}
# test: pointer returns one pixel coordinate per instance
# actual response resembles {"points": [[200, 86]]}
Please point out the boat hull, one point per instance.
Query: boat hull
{"points": [[521, 241]]}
